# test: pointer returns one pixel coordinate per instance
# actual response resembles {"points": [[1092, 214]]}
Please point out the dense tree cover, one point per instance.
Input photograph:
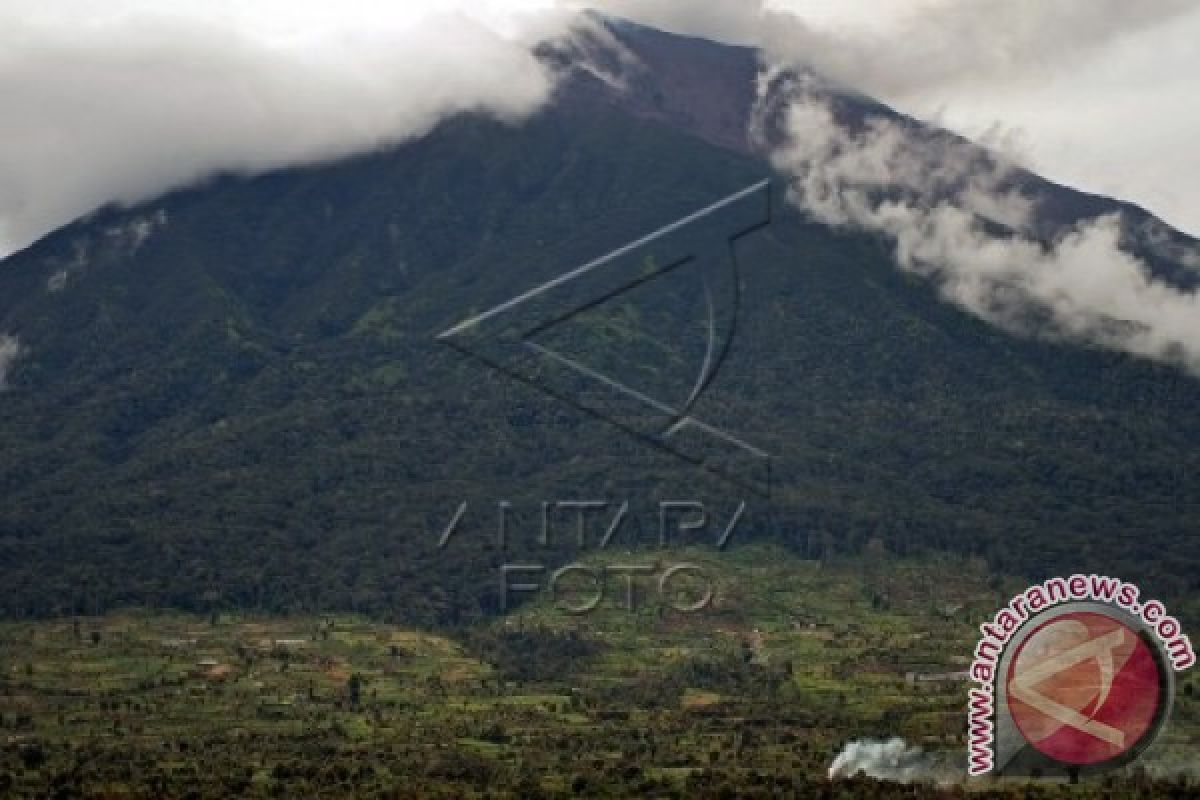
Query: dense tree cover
{"points": [[530, 655], [394, 773]]}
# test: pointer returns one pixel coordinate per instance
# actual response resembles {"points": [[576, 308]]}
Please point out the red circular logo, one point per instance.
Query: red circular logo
{"points": [[1084, 688]]}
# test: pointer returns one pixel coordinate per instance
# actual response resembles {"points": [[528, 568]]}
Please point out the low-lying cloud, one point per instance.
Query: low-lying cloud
{"points": [[122, 104], [950, 212]]}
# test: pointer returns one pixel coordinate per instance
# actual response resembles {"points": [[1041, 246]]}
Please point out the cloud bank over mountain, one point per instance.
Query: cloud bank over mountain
{"points": [[123, 104], [122, 101], [953, 215], [1102, 91]]}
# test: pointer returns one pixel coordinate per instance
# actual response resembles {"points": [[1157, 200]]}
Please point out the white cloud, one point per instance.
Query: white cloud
{"points": [[123, 103], [944, 206]]}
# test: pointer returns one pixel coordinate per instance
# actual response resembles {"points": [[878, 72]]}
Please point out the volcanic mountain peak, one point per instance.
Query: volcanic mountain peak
{"points": [[240, 383]]}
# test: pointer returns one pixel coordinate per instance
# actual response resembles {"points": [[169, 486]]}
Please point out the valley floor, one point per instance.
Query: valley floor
{"points": [[753, 696]]}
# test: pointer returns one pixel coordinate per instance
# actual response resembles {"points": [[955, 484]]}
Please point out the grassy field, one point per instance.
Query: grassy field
{"points": [[758, 691]]}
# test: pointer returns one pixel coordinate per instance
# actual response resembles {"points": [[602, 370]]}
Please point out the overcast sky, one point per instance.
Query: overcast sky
{"points": [[120, 100]]}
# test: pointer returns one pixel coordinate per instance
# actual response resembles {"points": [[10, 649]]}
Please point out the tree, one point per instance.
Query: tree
{"points": [[354, 688]]}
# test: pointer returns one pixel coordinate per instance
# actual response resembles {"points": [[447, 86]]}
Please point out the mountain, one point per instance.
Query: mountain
{"points": [[235, 395]]}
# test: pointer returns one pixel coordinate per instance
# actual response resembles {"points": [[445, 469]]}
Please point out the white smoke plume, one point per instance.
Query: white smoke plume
{"points": [[945, 207], [890, 760], [10, 349]]}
